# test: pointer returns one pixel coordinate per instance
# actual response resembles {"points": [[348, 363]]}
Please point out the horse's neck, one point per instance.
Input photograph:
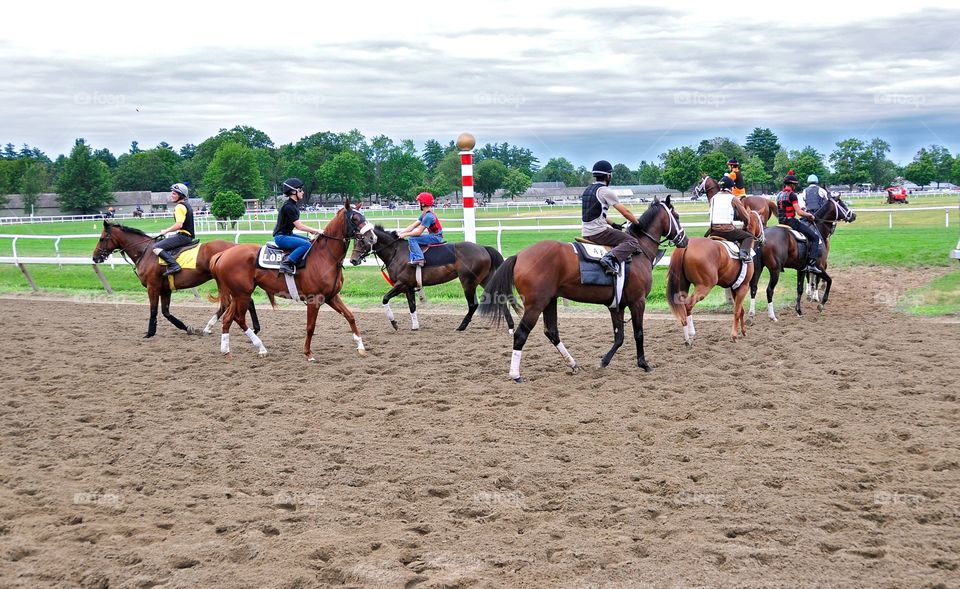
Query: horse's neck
{"points": [[134, 246], [387, 251]]}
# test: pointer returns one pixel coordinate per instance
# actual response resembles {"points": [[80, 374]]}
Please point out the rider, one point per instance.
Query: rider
{"points": [[596, 200], [735, 173], [288, 219], [182, 229], [428, 222], [723, 207], [791, 214], [814, 196]]}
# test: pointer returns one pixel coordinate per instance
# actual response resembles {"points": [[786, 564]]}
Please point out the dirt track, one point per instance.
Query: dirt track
{"points": [[132, 463]]}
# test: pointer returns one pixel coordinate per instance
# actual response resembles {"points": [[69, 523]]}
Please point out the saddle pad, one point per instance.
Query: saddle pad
{"points": [[592, 251], [270, 256], [439, 255], [733, 250], [186, 258], [797, 234], [591, 272]]}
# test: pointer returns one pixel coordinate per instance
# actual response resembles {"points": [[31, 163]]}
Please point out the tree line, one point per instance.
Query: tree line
{"points": [[244, 163]]}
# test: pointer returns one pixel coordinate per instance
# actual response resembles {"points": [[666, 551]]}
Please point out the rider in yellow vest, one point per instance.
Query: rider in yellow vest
{"points": [[179, 234], [737, 176]]}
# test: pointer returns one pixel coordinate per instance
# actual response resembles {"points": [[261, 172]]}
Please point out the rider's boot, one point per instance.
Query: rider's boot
{"points": [[610, 264], [172, 266], [746, 250]]}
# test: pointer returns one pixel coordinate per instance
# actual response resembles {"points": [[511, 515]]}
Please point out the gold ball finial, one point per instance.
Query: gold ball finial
{"points": [[466, 142]]}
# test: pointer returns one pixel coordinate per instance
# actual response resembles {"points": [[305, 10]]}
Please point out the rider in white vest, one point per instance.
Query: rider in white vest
{"points": [[724, 208]]}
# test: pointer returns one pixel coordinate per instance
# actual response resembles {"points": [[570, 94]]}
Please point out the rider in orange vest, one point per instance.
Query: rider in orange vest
{"points": [[735, 173]]}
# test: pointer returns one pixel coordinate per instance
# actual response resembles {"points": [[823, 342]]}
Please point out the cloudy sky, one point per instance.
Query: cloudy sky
{"points": [[568, 78]]}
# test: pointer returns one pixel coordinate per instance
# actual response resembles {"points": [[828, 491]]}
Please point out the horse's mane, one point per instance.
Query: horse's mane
{"points": [[649, 215], [132, 230], [390, 237]]}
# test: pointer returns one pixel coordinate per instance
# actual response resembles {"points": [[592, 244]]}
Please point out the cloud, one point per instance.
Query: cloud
{"points": [[580, 73]]}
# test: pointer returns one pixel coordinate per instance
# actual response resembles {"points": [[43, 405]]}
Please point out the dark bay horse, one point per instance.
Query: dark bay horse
{"points": [[317, 283], [473, 265], [763, 206], [781, 251], [705, 263], [547, 270], [138, 247]]}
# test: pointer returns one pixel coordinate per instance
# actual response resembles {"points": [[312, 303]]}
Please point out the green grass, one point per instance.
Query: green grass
{"points": [[940, 297]]}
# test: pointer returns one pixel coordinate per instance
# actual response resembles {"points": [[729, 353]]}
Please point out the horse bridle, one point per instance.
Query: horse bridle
{"points": [[679, 237]]}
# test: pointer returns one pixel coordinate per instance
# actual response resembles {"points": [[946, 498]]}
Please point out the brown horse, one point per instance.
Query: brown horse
{"points": [[137, 246], [782, 250], [317, 283], [547, 270], [762, 206], [472, 264], [705, 263]]}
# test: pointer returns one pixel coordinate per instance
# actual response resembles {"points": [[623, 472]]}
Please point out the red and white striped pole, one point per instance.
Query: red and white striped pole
{"points": [[465, 143]]}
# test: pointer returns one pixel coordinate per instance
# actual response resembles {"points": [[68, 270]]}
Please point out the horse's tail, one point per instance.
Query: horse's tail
{"points": [[496, 260], [212, 267], [677, 284], [498, 293], [772, 207], [273, 301]]}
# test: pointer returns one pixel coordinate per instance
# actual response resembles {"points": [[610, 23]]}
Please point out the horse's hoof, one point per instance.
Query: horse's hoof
{"points": [[396, 326], [262, 353], [205, 332], [461, 328], [362, 353], [228, 355], [311, 359], [604, 362], [149, 335], [575, 369], [510, 331], [414, 329], [518, 380], [820, 307], [644, 366]]}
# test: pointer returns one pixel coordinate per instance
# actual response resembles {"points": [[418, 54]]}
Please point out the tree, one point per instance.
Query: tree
{"points": [[343, 174], [35, 179], [715, 164], [922, 170], [559, 170], [227, 206], [84, 183], [145, 170], [449, 167], [880, 170], [809, 161], [649, 173], [234, 167], [764, 144], [781, 165], [849, 162], [489, 176], [728, 147], [516, 183], [955, 171], [942, 163], [188, 151], [439, 186], [402, 173], [135, 148], [623, 176], [433, 152], [106, 157], [681, 168], [755, 174]]}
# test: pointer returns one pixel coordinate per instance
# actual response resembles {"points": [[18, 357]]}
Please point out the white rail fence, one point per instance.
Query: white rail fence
{"points": [[543, 224]]}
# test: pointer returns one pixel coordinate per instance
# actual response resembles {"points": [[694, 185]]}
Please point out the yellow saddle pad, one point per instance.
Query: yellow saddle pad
{"points": [[187, 258]]}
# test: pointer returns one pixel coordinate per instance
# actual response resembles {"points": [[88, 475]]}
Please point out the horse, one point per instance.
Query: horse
{"points": [[781, 250], [137, 246], [473, 265], [762, 207], [319, 281], [547, 270], [705, 263]]}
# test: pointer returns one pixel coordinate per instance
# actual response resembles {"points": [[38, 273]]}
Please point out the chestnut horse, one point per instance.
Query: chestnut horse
{"points": [[547, 270], [762, 206], [705, 263], [473, 265], [317, 283], [781, 251], [138, 247]]}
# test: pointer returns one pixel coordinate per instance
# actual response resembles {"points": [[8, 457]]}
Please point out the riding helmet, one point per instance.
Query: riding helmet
{"points": [[790, 178], [181, 189], [292, 184], [812, 179], [733, 162], [425, 199], [602, 168], [727, 182]]}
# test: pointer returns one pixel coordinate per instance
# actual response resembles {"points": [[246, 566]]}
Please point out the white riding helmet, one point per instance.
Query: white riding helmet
{"points": [[181, 189]]}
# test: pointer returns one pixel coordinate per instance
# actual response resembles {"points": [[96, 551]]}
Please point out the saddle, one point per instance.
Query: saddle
{"points": [[591, 272], [799, 236], [438, 254], [177, 251], [270, 257], [185, 255], [733, 250]]}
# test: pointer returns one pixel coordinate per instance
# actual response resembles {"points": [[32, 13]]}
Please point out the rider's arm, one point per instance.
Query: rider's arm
{"points": [[741, 212], [625, 212], [411, 229], [299, 225], [180, 215]]}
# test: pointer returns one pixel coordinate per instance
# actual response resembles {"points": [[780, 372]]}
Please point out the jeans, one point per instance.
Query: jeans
{"points": [[173, 241], [813, 236], [298, 244], [416, 254]]}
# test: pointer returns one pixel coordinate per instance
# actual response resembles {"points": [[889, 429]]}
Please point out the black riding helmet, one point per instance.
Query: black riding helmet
{"points": [[602, 168], [727, 182], [291, 184]]}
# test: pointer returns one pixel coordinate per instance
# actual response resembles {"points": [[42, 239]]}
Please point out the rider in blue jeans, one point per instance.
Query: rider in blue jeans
{"points": [[427, 222], [287, 220]]}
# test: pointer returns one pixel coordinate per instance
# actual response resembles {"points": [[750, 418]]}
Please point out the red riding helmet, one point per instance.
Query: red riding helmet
{"points": [[425, 199]]}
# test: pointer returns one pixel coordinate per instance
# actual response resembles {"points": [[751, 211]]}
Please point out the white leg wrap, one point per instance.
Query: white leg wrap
{"points": [[686, 333], [414, 322], [255, 341], [693, 331], [359, 341], [770, 312], [566, 355], [225, 343], [388, 311], [515, 364], [753, 307], [210, 324]]}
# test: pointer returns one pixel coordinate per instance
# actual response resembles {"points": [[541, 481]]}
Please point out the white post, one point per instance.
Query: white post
{"points": [[948, 219], [891, 221]]}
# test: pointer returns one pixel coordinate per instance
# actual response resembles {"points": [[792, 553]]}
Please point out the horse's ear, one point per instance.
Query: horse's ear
{"points": [[346, 203], [667, 200]]}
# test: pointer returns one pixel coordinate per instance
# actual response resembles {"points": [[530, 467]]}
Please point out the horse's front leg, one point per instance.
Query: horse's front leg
{"points": [[337, 304], [826, 290], [412, 305], [165, 309], [636, 317], [394, 291], [800, 281], [616, 317], [153, 294], [313, 309]]}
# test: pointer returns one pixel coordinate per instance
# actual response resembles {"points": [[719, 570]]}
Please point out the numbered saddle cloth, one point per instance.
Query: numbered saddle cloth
{"points": [[591, 272], [186, 256], [270, 256]]}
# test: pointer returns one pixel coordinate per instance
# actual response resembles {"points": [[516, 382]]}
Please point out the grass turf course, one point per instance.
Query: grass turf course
{"points": [[917, 239]]}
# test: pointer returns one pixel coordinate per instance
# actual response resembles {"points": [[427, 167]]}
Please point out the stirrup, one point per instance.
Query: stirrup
{"points": [[172, 269]]}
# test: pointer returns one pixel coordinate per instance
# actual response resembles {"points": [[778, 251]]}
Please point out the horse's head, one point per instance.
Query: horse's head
{"points": [[357, 227], [381, 239], [107, 243], [707, 187], [660, 222], [844, 212]]}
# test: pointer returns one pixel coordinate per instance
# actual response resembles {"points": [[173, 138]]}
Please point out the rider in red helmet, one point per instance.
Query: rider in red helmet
{"points": [[426, 230]]}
